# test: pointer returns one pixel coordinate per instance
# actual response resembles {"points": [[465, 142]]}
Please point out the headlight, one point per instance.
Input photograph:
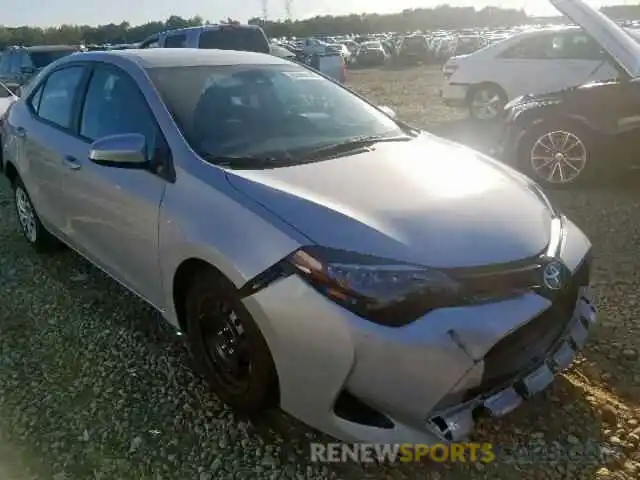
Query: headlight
{"points": [[513, 102], [395, 294], [383, 291]]}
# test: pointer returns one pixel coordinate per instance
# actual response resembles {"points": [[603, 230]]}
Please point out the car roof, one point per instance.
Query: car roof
{"points": [[183, 57], [211, 26], [47, 48]]}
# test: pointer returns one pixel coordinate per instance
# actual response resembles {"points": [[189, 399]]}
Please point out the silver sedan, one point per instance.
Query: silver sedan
{"points": [[375, 281]]}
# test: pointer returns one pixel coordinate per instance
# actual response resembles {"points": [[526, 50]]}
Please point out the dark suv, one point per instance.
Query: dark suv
{"points": [[19, 64], [250, 38]]}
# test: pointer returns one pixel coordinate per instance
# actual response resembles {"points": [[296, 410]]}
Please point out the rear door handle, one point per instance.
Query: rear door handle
{"points": [[21, 132], [71, 162]]}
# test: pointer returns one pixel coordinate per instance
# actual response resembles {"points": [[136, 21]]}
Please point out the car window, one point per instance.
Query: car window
{"points": [[42, 58], [25, 61], [34, 101], [5, 61], [264, 110], [14, 65], [235, 38], [580, 46], [557, 46], [152, 43], [176, 41], [114, 105], [532, 47], [58, 94]]}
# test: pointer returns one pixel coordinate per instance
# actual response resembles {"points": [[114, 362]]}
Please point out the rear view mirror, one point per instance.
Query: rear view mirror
{"points": [[128, 150], [388, 111]]}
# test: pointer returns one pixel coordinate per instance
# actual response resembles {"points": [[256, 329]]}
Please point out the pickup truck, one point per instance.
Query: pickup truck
{"points": [[241, 37]]}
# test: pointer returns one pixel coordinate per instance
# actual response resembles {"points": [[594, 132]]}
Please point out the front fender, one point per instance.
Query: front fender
{"points": [[213, 222]]}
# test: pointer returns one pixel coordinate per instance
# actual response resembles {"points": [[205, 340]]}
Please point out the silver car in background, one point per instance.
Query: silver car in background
{"points": [[375, 281]]}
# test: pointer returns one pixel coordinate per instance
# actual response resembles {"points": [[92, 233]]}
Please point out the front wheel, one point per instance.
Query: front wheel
{"points": [[228, 346], [557, 155]]}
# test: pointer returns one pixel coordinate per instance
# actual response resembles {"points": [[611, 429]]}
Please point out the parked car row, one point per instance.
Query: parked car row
{"points": [[19, 64], [533, 61], [582, 132]]}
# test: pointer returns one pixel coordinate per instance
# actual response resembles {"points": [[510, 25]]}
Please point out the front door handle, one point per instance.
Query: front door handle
{"points": [[21, 132], [71, 162]]}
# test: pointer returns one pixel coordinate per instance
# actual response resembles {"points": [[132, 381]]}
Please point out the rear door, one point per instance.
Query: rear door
{"points": [[521, 68], [44, 135]]}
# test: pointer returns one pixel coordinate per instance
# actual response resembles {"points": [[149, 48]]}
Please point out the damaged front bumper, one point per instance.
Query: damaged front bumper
{"points": [[426, 382], [456, 423]]}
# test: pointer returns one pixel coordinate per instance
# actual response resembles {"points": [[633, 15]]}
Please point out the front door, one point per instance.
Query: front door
{"points": [[112, 213]]}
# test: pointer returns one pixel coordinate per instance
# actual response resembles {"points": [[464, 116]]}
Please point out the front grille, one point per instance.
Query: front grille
{"points": [[526, 347], [521, 350]]}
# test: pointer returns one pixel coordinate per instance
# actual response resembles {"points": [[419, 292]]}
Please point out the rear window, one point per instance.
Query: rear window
{"points": [[235, 38], [41, 59]]}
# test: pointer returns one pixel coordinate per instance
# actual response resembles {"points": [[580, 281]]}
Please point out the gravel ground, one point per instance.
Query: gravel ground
{"points": [[92, 386]]}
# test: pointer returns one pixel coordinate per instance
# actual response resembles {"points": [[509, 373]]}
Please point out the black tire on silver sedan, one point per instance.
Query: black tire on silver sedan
{"points": [[557, 154], [34, 232], [227, 345]]}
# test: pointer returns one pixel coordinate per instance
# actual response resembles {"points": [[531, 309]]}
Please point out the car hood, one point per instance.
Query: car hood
{"points": [[428, 201], [575, 93], [618, 43]]}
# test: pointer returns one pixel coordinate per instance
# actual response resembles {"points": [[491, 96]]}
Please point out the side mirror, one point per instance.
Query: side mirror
{"points": [[128, 150], [388, 111]]}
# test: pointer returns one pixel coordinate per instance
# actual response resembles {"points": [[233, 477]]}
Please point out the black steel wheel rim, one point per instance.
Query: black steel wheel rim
{"points": [[224, 343]]}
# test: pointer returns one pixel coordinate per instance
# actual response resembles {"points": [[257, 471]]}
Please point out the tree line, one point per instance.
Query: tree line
{"points": [[424, 19]]}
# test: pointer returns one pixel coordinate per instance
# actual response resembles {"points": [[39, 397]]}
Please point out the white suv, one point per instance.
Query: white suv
{"points": [[537, 61]]}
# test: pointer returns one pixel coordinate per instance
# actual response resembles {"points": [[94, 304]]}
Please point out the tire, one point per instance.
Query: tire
{"points": [[213, 304], [34, 232], [486, 102], [574, 166]]}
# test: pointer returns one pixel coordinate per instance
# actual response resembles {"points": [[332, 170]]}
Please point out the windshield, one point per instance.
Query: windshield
{"points": [[41, 59], [260, 110], [235, 38]]}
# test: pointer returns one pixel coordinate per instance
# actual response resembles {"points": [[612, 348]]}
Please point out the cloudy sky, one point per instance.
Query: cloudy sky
{"points": [[92, 12]]}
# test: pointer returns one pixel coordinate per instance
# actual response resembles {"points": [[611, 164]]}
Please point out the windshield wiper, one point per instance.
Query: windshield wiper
{"points": [[248, 162], [353, 144]]}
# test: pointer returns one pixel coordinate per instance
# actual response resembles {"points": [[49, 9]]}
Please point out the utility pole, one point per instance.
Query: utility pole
{"points": [[265, 10], [288, 5]]}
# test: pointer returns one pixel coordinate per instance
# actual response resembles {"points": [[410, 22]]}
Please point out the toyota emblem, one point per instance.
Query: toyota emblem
{"points": [[553, 275]]}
